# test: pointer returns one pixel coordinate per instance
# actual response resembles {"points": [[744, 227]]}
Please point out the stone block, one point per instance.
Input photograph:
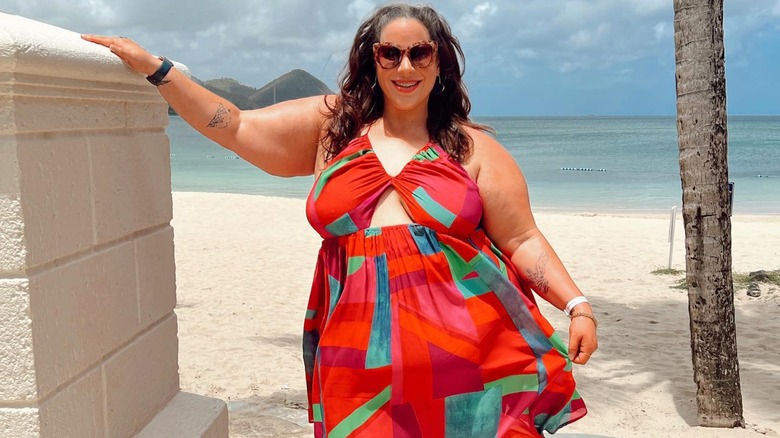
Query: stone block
{"points": [[17, 365], [141, 379], [7, 119], [13, 254], [9, 164], [56, 194], [81, 312], [191, 416], [76, 411], [57, 114], [156, 275], [19, 423], [131, 183], [147, 114]]}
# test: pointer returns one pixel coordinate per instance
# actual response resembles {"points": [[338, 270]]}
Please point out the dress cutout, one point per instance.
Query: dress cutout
{"points": [[423, 329]]}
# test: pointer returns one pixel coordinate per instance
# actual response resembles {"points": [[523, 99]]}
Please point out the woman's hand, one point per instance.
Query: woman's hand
{"points": [[583, 341], [130, 52]]}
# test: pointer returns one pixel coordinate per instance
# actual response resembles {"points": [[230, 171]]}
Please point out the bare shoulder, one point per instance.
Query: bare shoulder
{"points": [[486, 152], [506, 211]]}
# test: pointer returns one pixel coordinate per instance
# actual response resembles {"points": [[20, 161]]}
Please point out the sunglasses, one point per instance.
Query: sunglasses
{"points": [[420, 54]]}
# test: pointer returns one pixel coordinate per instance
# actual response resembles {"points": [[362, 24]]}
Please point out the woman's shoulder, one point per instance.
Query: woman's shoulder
{"points": [[485, 149], [481, 138]]}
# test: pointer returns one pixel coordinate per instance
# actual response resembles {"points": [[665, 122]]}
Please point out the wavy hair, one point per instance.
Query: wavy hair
{"points": [[359, 104]]}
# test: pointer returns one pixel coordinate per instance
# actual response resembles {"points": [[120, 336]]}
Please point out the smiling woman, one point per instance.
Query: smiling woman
{"points": [[421, 318]]}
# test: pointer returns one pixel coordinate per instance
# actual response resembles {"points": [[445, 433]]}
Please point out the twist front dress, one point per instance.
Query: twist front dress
{"points": [[423, 329]]}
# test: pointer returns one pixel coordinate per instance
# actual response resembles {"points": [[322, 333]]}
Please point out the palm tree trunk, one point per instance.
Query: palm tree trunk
{"points": [[703, 138]]}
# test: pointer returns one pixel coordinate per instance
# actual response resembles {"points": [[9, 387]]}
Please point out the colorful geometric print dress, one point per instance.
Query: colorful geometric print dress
{"points": [[423, 329]]}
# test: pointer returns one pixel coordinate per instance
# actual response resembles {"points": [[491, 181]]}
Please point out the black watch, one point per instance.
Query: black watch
{"points": [[157, 77]]}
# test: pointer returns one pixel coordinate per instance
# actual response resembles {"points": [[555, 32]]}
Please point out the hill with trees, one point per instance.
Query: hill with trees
{"points": [[292, 85]]}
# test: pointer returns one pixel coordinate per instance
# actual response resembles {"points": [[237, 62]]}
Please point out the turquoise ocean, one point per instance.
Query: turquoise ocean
{"points": [[630, 163]]}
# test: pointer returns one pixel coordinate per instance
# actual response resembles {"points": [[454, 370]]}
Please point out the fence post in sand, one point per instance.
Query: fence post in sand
{"points": [[672, 224], [88, 337]]}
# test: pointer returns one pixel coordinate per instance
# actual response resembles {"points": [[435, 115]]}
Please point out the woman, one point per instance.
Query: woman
{"points": [[420, 321]]}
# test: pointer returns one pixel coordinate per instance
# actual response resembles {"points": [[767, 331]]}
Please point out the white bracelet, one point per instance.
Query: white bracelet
{"points": [[573, 303]]}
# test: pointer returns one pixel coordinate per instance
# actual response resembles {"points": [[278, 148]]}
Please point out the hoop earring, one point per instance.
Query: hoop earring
{"points": [[439, 83]]}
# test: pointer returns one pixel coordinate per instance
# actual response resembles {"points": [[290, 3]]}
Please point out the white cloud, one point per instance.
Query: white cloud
{"points": [[526, 53], [474, 20], [589, 38], [102, 12], [645, 7], [661, 31], [516, 72], [483, 9], [359, 9], [572, 66]]}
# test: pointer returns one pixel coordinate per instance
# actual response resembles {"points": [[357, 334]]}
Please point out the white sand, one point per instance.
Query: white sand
{"points": [[245, 263]]}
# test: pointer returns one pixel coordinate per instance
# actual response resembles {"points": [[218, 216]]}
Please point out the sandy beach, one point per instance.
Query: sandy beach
{"points": [[244, 266]]}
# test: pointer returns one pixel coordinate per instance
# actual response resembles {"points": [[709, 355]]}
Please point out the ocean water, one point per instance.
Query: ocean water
{"points": [[633, 161]]}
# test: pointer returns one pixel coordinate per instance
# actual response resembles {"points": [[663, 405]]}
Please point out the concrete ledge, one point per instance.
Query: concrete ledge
{"points": [[39, 49], [25, 43], [189, 416]]}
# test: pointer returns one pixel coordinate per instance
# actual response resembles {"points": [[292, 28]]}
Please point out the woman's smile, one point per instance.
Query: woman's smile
{"points": [[406, 86]]}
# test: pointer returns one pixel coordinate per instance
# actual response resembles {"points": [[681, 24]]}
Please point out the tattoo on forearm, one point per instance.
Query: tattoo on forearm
{"points": [[221, 118], [536, 275]]}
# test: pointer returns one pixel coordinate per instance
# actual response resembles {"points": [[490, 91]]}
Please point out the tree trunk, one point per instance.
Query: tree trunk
{"points": [[702, 137]]}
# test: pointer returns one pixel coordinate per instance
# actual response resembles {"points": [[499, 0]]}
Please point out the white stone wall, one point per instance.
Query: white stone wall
{"points": [[88, 344]]}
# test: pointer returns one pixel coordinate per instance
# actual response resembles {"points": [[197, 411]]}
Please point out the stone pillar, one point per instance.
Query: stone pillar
{"points": [[88, 344]]}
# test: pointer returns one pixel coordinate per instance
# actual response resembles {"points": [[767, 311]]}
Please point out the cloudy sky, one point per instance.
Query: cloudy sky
{"points": [[529, 57]]}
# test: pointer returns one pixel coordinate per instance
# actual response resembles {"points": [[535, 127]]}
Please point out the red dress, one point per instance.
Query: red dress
{"points": [[423, 329]]}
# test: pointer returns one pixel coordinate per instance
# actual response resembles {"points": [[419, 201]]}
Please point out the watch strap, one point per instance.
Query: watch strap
{"points": [[157, 77]]}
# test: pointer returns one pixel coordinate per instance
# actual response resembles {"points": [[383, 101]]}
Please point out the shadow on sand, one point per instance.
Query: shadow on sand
{"points": [[651, 353]]}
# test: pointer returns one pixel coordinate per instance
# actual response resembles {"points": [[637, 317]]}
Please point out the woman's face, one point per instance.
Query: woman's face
{"points": [[405, 86]]}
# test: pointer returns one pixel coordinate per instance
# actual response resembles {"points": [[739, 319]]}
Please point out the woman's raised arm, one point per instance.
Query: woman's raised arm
{"points": [[282, 139]]}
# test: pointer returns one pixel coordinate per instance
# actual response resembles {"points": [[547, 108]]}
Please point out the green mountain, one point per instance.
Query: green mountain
{"points": [[293, 85], [231, 90]]}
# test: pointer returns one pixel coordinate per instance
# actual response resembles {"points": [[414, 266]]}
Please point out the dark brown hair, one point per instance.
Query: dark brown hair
{"points": [[359, 104]]}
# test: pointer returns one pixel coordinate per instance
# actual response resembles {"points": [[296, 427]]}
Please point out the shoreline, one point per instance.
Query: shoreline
{"points": [[244, 266]]}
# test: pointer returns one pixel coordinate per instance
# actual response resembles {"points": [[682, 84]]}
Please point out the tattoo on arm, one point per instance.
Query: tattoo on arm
{"points": [[536, 275], [221, 118]]}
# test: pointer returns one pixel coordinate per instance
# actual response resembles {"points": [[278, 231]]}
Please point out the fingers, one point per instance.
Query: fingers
{"points": [[579, 353], [100, 39], [128, 51], [575, 342], [581, 347], [583, 355], [581, 358], [112, 42], [574, 348]]}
